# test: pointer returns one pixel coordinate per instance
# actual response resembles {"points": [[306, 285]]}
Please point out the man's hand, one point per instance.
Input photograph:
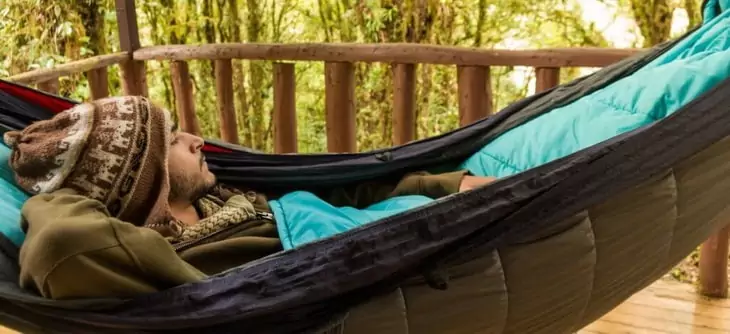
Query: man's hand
{"points": [[470, 182]]}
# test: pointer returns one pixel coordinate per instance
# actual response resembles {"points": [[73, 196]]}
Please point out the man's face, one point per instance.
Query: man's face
{"points": [[190, 178]]}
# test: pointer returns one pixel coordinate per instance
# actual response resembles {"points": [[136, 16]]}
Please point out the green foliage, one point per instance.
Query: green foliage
{"points": [[43, 33]]}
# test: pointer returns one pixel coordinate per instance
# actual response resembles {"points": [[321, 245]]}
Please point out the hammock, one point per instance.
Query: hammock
{"points": [[606, 183]]}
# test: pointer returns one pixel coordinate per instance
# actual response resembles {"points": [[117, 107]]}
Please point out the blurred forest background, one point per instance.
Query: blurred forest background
{"points": [[43, 33]]}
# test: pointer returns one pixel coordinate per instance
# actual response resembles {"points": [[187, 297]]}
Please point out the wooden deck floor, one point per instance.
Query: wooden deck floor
{"points": [[665, 307]]}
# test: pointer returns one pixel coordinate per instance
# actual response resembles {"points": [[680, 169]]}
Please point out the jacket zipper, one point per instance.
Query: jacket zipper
{"points": [[183, 245]]}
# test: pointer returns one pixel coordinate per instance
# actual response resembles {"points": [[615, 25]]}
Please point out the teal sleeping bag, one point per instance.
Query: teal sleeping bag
{"points": [[690, 68], [11, 200], [303, 217], [713, 8]]}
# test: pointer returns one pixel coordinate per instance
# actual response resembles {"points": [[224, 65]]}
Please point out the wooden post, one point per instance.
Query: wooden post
{"points": [[184, 102], [98, 83], [49, 86], [226, 105], [340, 107], [713, 265], [546, 78], [475, 93], [134, 80], [285, 114], [404, 103]]}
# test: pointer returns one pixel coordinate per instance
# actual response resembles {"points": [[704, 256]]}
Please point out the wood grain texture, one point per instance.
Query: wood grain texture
{"points": [[406, 53], [98, 83], [285, 113], [226, 104], [714, 264], [546, 78], [340, 107], [404, 103], [50, 86], [475, 93], [666, 307], [73, 67], [184, 100]]}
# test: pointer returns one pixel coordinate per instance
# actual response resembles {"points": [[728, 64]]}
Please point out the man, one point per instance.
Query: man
{"points": [[124, 204]]}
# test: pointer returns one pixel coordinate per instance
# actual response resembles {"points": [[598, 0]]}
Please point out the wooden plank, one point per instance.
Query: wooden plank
{"points": [[546, 78], [285, 114], [340, 107], [49, 86], [226, 105], [688, 293], [98, 83], [408, 53], [134, 81], [404, 103], [685, 301], [713, 265], [665, 307], [475, 94], [73, 67], [184, 102]]}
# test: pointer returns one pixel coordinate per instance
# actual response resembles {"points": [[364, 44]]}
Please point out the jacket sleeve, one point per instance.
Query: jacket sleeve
{"points": [[74, 249], [418, 183]]}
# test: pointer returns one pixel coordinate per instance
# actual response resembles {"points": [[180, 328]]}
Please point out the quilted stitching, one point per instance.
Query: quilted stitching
{"points": [[630, 225]]}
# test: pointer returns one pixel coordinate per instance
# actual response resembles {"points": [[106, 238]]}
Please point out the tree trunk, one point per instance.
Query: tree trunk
{"points": [[256, 77], [239, 77], [209, 31], [654, 18], [694, 12]]}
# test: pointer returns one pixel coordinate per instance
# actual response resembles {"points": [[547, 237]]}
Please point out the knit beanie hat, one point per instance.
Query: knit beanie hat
{"points": [[113, 150]]}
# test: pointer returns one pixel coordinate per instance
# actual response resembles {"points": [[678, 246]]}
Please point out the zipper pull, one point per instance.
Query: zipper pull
{"points": [[264, 215]]}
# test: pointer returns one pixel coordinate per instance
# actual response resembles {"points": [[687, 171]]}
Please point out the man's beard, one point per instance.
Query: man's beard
{"points": [[189, 189]]}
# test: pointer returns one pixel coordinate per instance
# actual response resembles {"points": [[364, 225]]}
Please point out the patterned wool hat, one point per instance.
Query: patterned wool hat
{"points": [[113, 150]]}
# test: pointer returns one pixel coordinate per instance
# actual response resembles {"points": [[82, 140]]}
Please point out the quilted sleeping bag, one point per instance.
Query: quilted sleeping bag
{"points": [[571, 274]]}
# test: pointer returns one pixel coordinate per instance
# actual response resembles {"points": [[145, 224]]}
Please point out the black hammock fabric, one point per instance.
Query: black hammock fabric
{"points": [[302, 290]]}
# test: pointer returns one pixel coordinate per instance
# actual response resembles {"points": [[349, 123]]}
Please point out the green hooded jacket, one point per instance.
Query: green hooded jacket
{"points": [[75, 249]]}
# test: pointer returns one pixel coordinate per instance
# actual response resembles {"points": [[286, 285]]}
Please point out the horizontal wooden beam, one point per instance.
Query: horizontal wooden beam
{"points": [[79, 66], [404, 53]]}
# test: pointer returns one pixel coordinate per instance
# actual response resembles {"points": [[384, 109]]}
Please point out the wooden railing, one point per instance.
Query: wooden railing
{"points": [[473, 66], [474, 90], [95, 68]]}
